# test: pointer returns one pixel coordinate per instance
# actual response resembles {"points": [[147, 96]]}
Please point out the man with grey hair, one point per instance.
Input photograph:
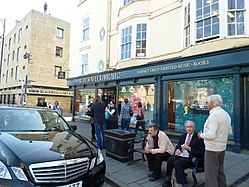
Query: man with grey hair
{"points": [[216, 130], [189, 147]]}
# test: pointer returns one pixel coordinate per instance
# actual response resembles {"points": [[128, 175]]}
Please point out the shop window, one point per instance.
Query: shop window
{"points": [[139, 93], [83, 98], [188, 101]]}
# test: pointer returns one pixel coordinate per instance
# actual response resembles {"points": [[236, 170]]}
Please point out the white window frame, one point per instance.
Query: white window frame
{"points": [[187, 24], [18, 53], [84, 63], [133, 39], [59, 32], [19, 34], [235, 17], [57, 69], [85, 28], [142, 49]]}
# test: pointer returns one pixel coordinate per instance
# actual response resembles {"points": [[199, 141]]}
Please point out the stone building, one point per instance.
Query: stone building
{"points": [[35, 62]]}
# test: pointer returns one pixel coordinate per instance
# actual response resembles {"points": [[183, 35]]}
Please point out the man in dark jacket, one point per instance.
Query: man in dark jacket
{"points": [[98, 110], [190, 146]]}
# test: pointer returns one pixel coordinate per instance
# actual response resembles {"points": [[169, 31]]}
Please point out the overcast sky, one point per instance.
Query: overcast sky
{"points": [[17, 9]]}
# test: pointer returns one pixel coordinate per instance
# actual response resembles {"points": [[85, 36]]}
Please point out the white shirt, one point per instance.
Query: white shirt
{"points": [[216, 130]]}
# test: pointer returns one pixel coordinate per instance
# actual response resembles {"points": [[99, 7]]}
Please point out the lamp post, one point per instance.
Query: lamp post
{"points": [[1, 60]]}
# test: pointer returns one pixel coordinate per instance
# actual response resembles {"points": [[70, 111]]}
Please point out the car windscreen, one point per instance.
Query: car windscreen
{"points": [[31, 120]]}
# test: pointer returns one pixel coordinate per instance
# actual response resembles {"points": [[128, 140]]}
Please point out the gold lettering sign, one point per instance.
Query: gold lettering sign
{"points": [[97, 78], [49, 92], [173, 67]]}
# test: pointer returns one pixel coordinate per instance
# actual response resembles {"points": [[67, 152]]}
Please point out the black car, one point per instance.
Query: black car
{"points": [[39, 148]]}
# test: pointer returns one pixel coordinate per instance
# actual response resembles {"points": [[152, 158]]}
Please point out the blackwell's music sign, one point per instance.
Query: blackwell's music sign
{"points": [[97, 78]]}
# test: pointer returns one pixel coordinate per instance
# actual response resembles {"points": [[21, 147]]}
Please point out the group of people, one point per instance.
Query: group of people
{"points": [[209, 144], [56, 106]]}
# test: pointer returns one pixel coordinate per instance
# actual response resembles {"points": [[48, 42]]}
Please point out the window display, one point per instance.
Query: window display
{"points": [[85, 97], [187, 101], [139, 93]]}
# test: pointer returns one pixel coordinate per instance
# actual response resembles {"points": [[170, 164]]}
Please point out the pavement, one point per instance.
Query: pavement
{"points": [[134, 173]]}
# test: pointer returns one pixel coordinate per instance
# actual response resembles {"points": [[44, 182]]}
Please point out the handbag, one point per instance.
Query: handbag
{"points": [[89, 113], [107, 115], [131, 112]]}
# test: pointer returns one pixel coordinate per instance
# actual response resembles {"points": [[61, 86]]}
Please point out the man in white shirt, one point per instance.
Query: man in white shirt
{"points": [[216, 130]]}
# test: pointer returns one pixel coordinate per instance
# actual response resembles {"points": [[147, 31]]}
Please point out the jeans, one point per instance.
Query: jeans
{"points": [[99, 128], [125, 123]]}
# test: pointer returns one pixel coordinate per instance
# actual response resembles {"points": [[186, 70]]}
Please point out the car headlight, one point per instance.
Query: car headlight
{"points": [[99, 158], [19, 173], [4, 172]]}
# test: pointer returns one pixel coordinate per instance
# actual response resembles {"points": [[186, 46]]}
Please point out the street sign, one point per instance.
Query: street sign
{"points": [[61, 75]]}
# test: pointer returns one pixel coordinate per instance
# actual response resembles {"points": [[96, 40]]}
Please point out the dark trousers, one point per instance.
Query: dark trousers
{"points": [[142, 124], [180, 164], [93, 129], [214, 169], [155, 162]]}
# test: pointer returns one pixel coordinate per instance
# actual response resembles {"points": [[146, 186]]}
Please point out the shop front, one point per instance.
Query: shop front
{"points": [[174, 91]]}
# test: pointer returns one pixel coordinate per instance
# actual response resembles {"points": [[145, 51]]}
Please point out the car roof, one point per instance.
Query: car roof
{"points": [[25, 107]]}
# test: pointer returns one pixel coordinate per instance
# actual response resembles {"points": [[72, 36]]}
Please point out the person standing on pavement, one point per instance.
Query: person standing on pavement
{"points": [[57, 107], [98, 110], [215, 134], [125, 115], [140, 118], [158, 149], [91, 121], [190, 146], [113, 120]]}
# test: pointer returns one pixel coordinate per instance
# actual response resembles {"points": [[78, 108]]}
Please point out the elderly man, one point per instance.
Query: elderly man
{"points": [[216, 130], [158, 149], [189, 146]]}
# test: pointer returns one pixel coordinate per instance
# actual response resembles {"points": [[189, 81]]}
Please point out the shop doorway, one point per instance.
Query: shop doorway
{"points": [[107, 94], [245, 130]]}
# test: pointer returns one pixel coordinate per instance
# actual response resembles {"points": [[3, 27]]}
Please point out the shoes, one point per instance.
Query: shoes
{"points": [[93, 139], [153, 178], [150, 174], [167, 182]]}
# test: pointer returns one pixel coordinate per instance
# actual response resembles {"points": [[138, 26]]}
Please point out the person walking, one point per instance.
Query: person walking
{"points": [[215, 134], [140, 118], [125, 115], [91, 121], [158, 149], [57, 107], [98, 110]]}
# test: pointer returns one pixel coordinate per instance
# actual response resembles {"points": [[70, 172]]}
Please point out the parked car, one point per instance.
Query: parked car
{"points": [[39, 148]]}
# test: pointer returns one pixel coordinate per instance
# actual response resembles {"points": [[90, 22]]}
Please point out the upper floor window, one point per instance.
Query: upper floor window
{"points": [[141, 37], [59, 33], [236, 17], [7, 76], [187, 25], [84, 59], [58, 51], [85, 29], [10, 43], [57, 69], [13, 55], [17, 72], [125, 2], [19, 34], [8, 59], [207, 19], [18, 53], [126, 41], [14, 39]]}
